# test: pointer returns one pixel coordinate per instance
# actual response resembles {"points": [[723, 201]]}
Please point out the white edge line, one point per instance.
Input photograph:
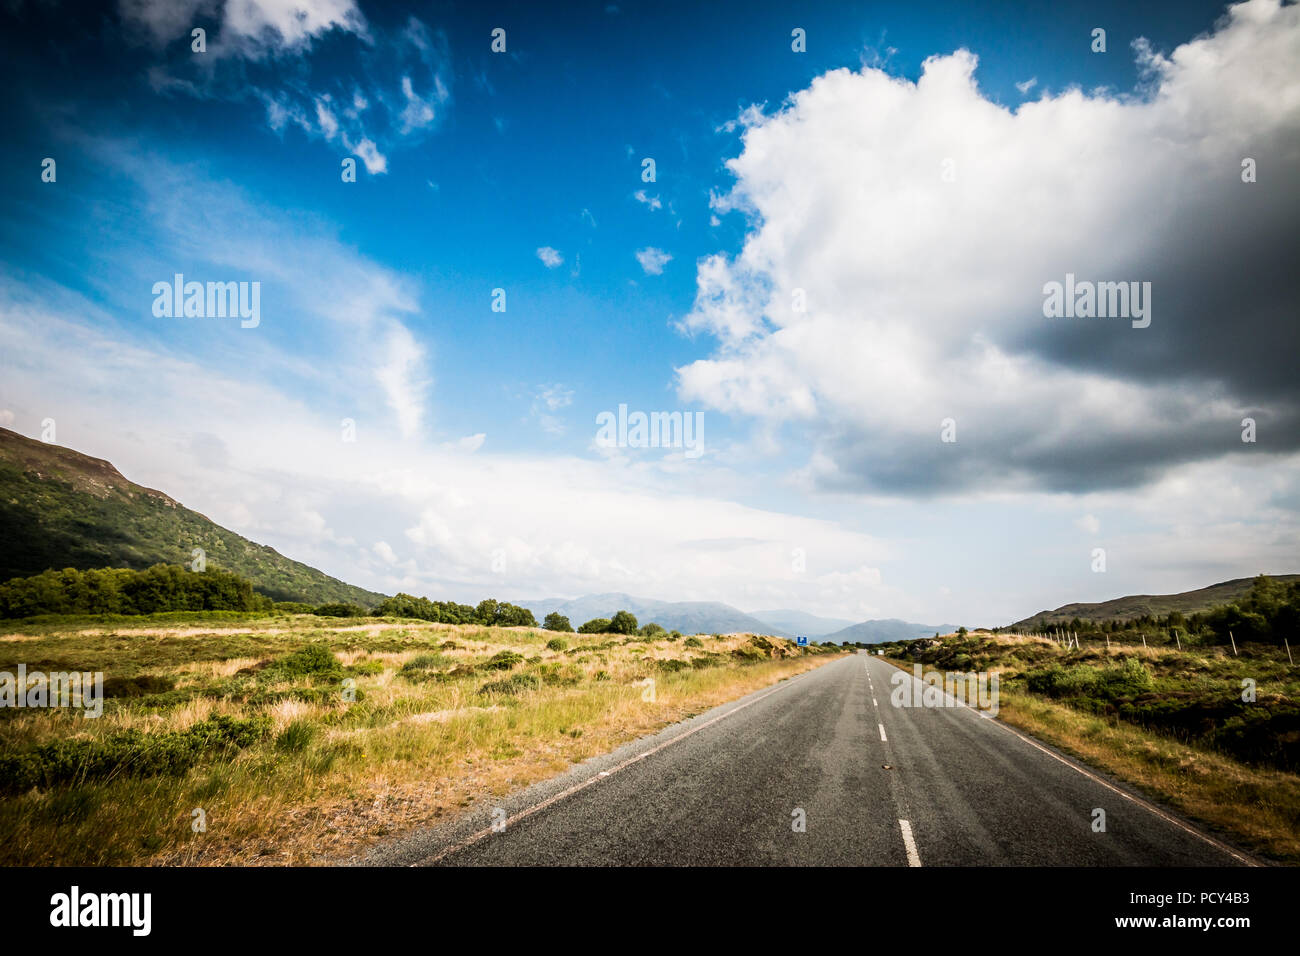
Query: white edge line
{"points": [[1138, 801]]}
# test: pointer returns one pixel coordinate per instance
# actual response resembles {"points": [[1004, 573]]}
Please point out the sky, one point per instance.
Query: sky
{"points": [[824, 232]]}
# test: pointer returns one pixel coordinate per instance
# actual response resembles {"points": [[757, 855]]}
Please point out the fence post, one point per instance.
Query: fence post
{"points": [[1288, 651], [1234, 643], [1144, 642], [1178, 642], [1107, 643]]}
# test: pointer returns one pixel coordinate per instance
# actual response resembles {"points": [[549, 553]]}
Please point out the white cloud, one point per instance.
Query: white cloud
{"points": [[551, 258], [1027, 85], [651, 201], [653, 260], [924, 296], [1088, 523]]}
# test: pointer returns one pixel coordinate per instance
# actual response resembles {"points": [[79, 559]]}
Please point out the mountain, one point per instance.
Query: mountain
{"points": [[689, 617], [62, 509], [1157, 605], [877, 632], [800, 622]]}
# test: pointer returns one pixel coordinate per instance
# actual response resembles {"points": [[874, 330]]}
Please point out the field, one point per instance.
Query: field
{"points": [[1175, 724], [294, 739]]}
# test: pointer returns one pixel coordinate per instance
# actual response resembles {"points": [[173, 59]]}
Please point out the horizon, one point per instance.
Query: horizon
{"points": [[801, 360]]}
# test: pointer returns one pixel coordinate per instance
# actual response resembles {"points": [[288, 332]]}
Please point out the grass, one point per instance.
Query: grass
{"points": [[305, 739], [1172, 724]]}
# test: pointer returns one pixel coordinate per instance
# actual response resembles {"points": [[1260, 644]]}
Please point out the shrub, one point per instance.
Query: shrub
{"points": [[130, 753], [340, 610], [651, 630], [514, 684], [692, 642], [137, 686], [314, 660], [557, 644], [504, 660], [597, 625]]}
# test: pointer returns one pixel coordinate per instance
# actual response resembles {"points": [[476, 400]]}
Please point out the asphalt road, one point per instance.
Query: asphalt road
{"points": [[877, 785]]}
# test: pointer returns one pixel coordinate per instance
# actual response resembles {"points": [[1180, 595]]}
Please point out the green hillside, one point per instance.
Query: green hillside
{"points": [[1153, 605], [62, 509]]}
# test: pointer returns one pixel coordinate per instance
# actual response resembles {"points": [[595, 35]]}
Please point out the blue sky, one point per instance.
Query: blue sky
{"points": [[225, 165]]}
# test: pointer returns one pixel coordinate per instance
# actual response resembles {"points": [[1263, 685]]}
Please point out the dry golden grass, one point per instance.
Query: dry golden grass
{"points": [[332, 776]]}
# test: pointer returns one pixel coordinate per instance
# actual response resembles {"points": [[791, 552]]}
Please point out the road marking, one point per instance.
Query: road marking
{"points": [[564, 794], [882, 732], [873, 702], [913, 858], [1137, 801]]}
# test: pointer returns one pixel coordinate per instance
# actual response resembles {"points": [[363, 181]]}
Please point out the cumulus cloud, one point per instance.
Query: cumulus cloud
{"points": [[901, 234], [551, 258], [652, 260]]}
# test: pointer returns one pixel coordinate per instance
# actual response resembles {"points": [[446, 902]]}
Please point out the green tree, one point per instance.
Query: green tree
{"points": [[597, 625], [555, 621], [624, 622]]}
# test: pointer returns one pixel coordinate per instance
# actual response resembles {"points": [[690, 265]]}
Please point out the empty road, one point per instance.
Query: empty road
{"points": [[821, 770]]}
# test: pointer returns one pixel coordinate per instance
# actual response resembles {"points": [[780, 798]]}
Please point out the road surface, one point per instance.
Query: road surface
{"points": [[872, 784]]}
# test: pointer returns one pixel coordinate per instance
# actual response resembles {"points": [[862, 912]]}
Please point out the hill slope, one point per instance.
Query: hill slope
{"points": [[689, 617], [1157, 605], [62, 509]]}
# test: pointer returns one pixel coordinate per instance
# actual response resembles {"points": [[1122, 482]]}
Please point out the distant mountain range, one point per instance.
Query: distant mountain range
{"points": [[62, 509], [1157, 605], [689, 617], [712, 617], [877, 632]]}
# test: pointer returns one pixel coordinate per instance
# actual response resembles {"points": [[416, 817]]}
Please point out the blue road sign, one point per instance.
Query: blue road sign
{"points": [[803, 641]]}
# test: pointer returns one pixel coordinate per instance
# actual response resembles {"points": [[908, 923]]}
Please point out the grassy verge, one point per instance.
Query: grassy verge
{"points": [[1171, 724], [301, 740]]}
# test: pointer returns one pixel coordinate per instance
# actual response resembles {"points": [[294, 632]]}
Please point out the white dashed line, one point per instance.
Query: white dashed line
{"points": [[913, 858], [882, 733]]}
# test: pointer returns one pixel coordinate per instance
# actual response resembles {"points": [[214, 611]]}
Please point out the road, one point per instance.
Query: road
{"points": [[877, 785]]}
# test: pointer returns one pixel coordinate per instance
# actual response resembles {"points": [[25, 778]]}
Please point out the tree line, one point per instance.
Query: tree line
{"points": [[163, 587]]}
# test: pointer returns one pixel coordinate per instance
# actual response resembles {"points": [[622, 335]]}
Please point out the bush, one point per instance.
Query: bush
{"points": [[340, 610], [504, 661], [692, 642], [557, 644], [555, 621], [314, 660], [651, 630], [597, 625], [137, 686], [130, 753], [513, 685]]}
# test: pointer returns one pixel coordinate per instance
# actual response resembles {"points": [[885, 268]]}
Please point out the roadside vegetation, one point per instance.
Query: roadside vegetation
{"points": [[300, 738]]}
